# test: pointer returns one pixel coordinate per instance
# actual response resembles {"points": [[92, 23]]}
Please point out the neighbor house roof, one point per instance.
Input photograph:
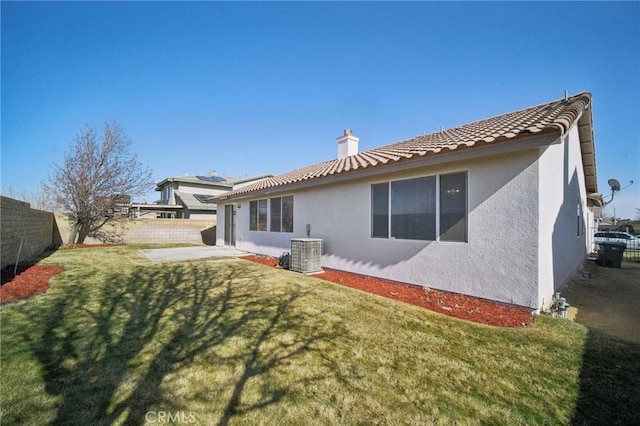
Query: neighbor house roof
{"points": [[196, 201], [554, 116], [210, 180]]}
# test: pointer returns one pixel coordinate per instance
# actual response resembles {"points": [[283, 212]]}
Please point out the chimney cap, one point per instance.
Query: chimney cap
{"points": [[347, 132]]}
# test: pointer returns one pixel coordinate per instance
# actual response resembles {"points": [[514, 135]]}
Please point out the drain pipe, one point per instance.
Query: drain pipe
{"points": [[15, 269]]}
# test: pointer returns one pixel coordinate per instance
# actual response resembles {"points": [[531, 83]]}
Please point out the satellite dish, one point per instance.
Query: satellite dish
{"points": [[614, 184]]}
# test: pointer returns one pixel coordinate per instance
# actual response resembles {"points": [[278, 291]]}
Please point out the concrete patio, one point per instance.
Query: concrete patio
{"points": [[190, 253]]}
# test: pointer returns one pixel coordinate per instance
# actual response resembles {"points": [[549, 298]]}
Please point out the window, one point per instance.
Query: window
{"points": [[282, 214], [278, 213], [262, 215], [166, 193], [380, 210], [287, 214], [258, 215], [453, 207], [412, 210]]}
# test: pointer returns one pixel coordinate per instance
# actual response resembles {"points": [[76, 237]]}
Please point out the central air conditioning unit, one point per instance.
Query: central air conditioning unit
{"points": [[305, 255]]}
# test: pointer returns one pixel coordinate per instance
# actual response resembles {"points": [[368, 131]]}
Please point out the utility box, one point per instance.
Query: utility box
{"points": [[611, 254], [306, 254]]}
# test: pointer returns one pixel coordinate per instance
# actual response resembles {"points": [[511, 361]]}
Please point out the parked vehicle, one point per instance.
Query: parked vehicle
{"points": [[632, 242]]}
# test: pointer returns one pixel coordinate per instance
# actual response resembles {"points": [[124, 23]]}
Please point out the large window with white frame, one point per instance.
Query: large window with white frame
{"points": [[427, 208], [258, 215], [277, 213], [453, 207], [281, 210]]}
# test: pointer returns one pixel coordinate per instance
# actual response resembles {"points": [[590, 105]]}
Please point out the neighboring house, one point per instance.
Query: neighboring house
{"points": [[189, 197], [497, 209]]}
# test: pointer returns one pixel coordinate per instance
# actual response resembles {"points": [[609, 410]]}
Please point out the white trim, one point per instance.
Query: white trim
{"points": [[437, 208]]}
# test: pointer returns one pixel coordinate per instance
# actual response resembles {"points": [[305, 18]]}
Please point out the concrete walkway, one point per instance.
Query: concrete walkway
{"points": [[190, 253]]}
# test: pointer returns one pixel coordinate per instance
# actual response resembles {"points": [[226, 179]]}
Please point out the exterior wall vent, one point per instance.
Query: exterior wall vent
{"points": [[305, 255]]}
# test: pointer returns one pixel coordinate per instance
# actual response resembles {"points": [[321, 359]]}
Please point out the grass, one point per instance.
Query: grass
{"points": [[118, 339]]}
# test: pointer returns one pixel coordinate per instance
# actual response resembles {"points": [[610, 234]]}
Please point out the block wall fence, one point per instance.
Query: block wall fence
{"points": [[132, 231], [38, 230], [20, 225]]}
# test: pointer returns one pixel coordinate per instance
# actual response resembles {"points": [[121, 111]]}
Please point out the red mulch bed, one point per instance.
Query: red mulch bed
{"points": [[34, 279], [452, 304], [29, 280]]}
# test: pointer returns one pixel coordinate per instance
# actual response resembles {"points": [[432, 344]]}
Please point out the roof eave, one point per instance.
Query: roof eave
{"points": [[461, 153], [588, 151]]}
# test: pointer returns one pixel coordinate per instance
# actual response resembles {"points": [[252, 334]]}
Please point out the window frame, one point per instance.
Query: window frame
{"points": [[275, 220], [386, 223], [256, 216], [397, 224], [261, 215], [439, 213], [289, 220], [438, 208], [253, 215], [283, 219]]}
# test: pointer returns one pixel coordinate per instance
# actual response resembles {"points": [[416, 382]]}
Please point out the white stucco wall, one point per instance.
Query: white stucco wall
{"points": [[562, 249], [498, 262]]}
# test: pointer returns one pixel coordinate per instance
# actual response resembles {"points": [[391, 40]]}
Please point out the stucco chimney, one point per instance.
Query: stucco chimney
{"points": [[347, 144]]}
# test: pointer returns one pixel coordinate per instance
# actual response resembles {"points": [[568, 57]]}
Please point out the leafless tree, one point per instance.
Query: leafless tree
{"points": [[99, 173], [38, 199]]}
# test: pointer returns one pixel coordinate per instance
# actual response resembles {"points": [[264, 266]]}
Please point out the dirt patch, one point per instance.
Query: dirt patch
{"points": [[451, 304], [608, 301]]}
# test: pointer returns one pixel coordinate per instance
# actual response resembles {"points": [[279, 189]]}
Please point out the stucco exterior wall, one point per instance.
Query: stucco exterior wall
{"points": [[564, 216], [498, 262]]}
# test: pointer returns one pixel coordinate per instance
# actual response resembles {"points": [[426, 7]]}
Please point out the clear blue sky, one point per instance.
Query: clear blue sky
{"points": [[252, 88]]}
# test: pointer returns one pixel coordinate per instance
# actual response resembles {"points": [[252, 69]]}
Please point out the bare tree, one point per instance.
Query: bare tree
{"points": [[38, 199], [99, 172]]}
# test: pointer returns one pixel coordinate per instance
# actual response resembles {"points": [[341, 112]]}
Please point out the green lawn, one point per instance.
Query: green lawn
{"points": [[118, 339]]}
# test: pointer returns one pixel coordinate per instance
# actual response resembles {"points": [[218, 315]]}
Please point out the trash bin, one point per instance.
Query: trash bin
{"points": [[610, 254]]}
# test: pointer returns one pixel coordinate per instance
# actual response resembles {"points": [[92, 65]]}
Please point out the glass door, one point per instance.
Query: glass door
{"points": [[230, 225]]}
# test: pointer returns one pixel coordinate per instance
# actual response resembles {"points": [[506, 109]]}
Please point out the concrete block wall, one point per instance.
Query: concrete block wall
{"points": [[19, 223], [38, 230], [133, 231]]}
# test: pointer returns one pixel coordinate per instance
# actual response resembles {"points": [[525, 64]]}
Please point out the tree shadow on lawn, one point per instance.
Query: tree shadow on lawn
{"points": [[609, 382], [136, 329]]}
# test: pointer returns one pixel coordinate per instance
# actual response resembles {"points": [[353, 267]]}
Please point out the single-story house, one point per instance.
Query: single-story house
{"points": [[189, 197], [498, 208]]}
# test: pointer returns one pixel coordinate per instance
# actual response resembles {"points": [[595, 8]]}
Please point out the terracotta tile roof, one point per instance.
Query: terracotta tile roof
{"points": [[558, 115]]}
